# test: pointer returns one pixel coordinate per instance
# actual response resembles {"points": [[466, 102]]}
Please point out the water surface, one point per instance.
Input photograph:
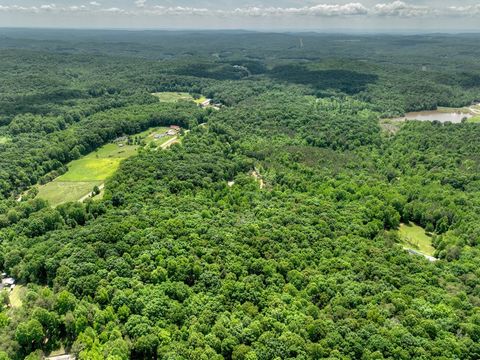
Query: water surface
{"points": [[454, 117]]}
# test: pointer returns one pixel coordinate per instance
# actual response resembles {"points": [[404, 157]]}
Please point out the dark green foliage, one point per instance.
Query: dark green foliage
{"points": [[269, 233]]}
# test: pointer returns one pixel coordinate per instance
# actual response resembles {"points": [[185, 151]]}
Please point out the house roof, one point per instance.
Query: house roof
{"points": [[8, 281]]}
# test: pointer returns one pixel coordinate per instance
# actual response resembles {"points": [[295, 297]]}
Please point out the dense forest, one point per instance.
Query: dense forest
{"points": [[271, 231]]}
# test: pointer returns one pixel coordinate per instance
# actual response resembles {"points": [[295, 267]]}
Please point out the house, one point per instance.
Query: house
{"points": [[175, 127], [171, 132]]}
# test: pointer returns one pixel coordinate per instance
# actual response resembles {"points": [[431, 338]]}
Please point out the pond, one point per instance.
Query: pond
{"points": [[454, 117]]}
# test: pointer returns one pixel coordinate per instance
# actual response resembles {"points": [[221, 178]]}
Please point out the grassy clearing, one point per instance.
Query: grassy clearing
{"points": [[415, 237], [474, 120], [58, 192], [200, 100], [90, 170], [113, 151], [173, 96], [93, 169], [4, 140], [16, 296], [83, 174]]}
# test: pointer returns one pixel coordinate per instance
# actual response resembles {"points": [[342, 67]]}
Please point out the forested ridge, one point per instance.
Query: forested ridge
{"points": [[270, 232]]}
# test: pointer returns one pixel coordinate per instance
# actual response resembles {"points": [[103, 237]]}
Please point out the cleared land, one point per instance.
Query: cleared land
{"points": [[16, 296], [173, 96], [93, 169], [4, 139], [178, 96], [59, 192], [200, 100], [83, 174], [414, 237]]}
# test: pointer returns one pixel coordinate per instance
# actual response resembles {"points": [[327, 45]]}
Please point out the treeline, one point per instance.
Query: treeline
{"points": [[31, 154]]}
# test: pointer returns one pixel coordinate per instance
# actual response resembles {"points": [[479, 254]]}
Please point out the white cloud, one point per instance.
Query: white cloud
{"points": [[48, 7], [179, 10], [115, 10], [253, 11], [401, 9], [317, 10], [472, 10]]}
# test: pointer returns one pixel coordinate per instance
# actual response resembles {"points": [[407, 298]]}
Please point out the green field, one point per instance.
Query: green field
{"points": [[93, 169], [4, 139], [83, 174], [200, 100], [113, 151], [16, 296], [59, 192], [173, 96], [99, 164], [415, 237], [90, 169], [475, 119]]}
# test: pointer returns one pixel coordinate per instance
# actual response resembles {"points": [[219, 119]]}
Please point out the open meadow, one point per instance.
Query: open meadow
{"points": [[94, 168], [415, 237], [173, 96]]}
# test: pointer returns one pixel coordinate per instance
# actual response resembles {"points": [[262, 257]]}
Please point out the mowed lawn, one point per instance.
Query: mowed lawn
{"points": [[59, 192], [83, 174], [16, 296], [415, 237]]}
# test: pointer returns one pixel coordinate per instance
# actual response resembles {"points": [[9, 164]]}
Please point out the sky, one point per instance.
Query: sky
{"points": [[301, 15]]}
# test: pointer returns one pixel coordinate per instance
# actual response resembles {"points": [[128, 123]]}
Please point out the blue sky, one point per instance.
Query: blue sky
{"points": [[355, 15]]}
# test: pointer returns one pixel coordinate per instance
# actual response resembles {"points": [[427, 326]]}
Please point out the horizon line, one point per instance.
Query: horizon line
{"points": [[256, 30]]}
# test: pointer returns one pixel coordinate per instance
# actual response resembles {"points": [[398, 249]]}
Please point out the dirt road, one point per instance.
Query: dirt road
{"points": [[101, 187]]}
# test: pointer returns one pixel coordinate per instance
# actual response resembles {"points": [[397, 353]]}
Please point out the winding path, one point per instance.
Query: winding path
{"points": [[169, 143], [91, 194], [415, 252]]}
